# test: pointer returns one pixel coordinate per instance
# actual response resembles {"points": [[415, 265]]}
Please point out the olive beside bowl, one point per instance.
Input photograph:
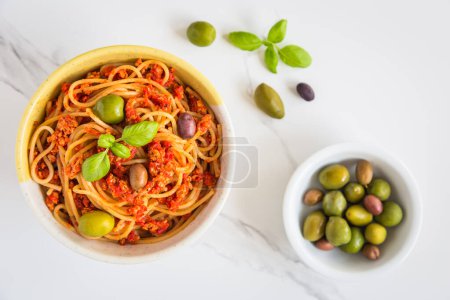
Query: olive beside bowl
{"points": [[336, 263], [77, 68]]}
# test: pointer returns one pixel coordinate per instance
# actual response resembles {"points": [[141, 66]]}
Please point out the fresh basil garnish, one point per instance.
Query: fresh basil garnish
{"points": [[120, 150], [96, 166], [106, 140], [139, 134]]}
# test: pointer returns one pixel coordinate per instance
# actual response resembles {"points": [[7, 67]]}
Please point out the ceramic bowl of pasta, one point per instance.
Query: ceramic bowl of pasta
{"points": [[120, 154]]}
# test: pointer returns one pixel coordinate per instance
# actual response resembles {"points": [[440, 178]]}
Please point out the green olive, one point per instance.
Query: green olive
{"points": [[358, 215], [96, 223], [356, 243], [314, 226], [354, 192], [201, 33], [334, 177], [268, 100], [337, 231], [391, 216], [110, 109], [334, 203], [375, 234], [380, 188]]}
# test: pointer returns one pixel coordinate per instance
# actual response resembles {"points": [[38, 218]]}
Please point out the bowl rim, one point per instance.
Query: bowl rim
{"points": [[291, 226], [25, 180]]}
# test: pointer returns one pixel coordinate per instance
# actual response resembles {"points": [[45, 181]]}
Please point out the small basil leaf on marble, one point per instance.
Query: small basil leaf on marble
{"points": [[245, 40], [271, 58], [277, 32], [295, 56]]}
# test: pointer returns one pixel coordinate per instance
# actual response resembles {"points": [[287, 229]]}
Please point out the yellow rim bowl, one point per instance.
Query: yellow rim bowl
{"points": [[75, 69]]}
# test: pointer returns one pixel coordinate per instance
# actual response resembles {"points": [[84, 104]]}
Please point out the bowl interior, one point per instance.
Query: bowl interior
{"points": [[75, 69], [336, 263]]}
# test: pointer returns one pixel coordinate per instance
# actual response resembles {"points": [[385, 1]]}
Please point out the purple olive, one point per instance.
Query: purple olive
{"points": [[186, 126], [373, 205], [305, 91]]}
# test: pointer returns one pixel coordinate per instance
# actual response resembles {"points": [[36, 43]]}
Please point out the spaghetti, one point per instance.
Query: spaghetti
{"points": [[182, 172]]}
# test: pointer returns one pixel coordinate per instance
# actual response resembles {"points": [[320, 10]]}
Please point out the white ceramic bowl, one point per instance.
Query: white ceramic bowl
{"points": [[336, 263], [112, 252]]}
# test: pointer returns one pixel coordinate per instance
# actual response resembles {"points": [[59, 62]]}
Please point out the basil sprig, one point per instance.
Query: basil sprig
{"points": [[291, 55], [140, 134]]}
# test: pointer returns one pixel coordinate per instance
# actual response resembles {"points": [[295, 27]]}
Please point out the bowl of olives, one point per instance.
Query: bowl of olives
{"points": [[352, 209]]}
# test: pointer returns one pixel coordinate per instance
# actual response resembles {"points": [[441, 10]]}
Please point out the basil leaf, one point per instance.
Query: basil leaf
{"points": [[277, 32], [106, 141], [245, 40], [139, 134], [96, 166], [271, 58], [120, 150], [295, 56]]}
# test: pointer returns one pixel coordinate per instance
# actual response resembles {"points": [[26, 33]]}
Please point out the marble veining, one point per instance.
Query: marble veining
{"points": [[24, 67], [284, 146], [249, 247]]}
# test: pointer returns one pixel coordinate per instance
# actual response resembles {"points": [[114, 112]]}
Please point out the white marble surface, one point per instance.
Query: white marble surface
{"points": [[380, 73]]}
